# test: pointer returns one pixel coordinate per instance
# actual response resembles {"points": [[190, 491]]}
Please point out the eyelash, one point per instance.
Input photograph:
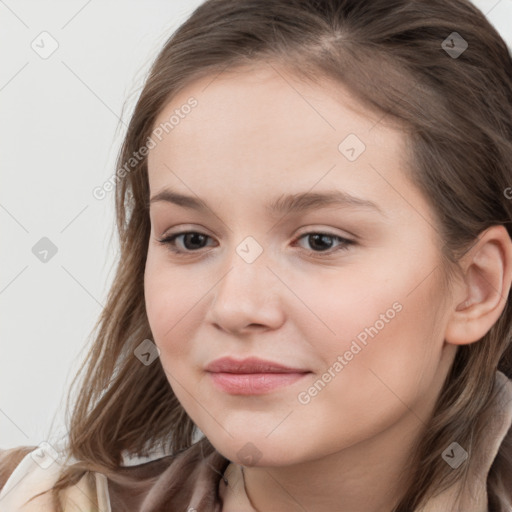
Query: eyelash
{"points": [[169, 243]]}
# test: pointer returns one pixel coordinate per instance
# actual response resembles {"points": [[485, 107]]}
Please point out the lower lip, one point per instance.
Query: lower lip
{"points": [[253, 383]]}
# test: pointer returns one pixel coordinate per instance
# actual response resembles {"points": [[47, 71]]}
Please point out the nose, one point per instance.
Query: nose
{"points": [[248, 297]]}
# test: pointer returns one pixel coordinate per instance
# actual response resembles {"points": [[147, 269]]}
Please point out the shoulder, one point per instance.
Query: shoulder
{"points": [[25, 470], [29, 470], [9, 459]]}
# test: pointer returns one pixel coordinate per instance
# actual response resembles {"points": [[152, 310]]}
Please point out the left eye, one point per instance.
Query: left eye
{"points": [[320, 242], [324, 242]]}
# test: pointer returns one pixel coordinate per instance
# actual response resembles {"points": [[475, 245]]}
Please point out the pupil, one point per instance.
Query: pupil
{"points": [[192, 236], [325, 239]]}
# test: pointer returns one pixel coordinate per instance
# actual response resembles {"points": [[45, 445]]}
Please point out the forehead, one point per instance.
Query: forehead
{"points": [[263, 98], [260, 127]]}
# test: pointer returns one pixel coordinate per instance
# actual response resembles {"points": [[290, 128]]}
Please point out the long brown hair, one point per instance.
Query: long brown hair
{"points": [[458, 114]]}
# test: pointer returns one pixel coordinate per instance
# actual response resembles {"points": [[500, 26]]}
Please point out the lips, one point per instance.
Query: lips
{"points": [[249, 365], [252, 376]]}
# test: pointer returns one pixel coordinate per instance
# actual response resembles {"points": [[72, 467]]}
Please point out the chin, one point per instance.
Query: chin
{"points": [[254, 451]]}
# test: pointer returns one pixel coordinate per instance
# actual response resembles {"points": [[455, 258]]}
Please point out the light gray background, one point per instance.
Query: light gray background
{"points": [[62, 124]]}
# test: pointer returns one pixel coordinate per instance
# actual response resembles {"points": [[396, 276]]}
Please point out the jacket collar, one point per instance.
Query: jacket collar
{"points": [[474, 496]]}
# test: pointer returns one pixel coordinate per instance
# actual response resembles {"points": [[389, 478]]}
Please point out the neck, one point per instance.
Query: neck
{"points": [[365, 477]]}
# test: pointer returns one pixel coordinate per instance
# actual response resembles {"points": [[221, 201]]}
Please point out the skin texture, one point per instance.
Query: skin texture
{"points": [[252, 137]]}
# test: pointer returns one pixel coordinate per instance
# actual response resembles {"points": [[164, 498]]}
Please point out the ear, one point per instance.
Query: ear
{"points": [[480, 299]]}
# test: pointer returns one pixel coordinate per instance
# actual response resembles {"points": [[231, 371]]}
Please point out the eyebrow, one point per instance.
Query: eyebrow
{"points": [[286, 203]]}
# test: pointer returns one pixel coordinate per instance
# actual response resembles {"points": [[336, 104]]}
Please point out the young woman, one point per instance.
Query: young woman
{"points": [[311, 305]]}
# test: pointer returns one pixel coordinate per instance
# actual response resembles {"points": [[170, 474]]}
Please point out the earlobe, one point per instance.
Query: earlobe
{"points": [[487, 279]]}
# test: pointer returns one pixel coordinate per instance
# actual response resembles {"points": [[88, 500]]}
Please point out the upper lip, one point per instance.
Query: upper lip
{"points": [[249, 365]]}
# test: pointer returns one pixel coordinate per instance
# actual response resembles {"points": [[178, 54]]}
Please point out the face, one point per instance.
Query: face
{"points": [[347, 293]]}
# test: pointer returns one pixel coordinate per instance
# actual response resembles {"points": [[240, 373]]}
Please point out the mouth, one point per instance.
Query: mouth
{"points": [[253, 383], [252, 376]]}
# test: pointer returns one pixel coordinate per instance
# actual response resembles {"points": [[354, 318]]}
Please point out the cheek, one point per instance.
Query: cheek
{"points": [[378, 332], [170, 300]]}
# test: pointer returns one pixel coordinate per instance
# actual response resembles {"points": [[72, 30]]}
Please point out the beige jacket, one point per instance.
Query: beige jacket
{"points": [[200, 479]]}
